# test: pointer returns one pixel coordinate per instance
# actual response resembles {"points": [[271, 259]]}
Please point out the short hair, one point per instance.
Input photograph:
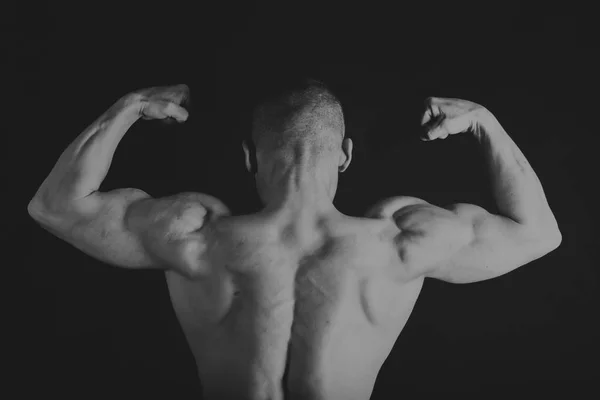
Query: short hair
{"points": [[304, 110]]}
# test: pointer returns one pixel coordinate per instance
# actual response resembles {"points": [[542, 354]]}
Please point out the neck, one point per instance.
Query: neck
{"points": [[302, 184]]}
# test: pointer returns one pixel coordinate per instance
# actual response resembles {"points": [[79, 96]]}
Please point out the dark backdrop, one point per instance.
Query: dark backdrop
{"points": [[113, 332]]}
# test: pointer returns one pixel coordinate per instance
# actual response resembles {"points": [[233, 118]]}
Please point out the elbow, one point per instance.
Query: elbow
{"points": [[556, 239], [548, 232], [38, 211], [552, 239], [34, 208], [548, 239], [554, 236]]}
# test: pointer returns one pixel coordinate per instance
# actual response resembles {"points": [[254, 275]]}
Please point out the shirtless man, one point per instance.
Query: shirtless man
{"points": [[297, 301]]}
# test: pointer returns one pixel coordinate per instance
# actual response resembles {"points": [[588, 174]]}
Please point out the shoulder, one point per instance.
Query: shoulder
{"points": [[174, 228], [211, 203], [186, 200], [180, 207], [176, 216], [386, 208]]}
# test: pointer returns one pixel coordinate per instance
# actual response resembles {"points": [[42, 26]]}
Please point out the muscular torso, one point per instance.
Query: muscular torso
{"points": [[294, 312]]}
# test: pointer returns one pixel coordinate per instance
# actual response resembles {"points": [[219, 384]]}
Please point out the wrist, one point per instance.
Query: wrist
{"points": [[130, 107], [486, 124]]}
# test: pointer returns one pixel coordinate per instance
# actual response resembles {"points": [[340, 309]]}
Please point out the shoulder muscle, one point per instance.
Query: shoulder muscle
{"points": [[425, 233], [386, 208], [172, 228], [428, 235]]}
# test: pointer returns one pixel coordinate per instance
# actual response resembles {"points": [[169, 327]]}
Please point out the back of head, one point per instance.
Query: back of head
{"points": [[299, 111]]}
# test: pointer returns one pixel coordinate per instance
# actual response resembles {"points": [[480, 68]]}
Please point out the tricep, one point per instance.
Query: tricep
{"points": [[464, 243], [96, 225], [128, 228]]}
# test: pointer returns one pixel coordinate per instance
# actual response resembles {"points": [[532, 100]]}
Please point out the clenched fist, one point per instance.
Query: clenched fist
{"points": [[445, 117], [161, 102]]}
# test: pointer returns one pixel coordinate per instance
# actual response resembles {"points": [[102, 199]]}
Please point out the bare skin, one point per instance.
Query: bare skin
{"points": [[297, 301]]}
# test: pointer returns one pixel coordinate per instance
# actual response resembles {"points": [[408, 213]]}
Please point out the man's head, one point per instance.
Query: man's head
{"points": [[298, 125]]}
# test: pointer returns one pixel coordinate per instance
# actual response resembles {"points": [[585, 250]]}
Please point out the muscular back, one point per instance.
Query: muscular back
{"points": [[294, 302], [314, 310]]}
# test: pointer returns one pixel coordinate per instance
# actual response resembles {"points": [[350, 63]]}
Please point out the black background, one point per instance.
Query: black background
{"points": [[112, 332]]}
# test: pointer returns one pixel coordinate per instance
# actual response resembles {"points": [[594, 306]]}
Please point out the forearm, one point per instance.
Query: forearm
{"points": [[517, 189], [84, 164]]}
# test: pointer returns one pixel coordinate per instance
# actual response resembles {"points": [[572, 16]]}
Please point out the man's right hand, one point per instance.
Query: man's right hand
{"points": [[445, 117]]}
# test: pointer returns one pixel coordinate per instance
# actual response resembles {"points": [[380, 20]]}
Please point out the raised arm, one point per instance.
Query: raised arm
{"points": [[465, 243], [68, 203]]}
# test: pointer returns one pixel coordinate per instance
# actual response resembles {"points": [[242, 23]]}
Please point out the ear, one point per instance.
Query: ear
{"points": [[347, 154], [247, 156]]}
